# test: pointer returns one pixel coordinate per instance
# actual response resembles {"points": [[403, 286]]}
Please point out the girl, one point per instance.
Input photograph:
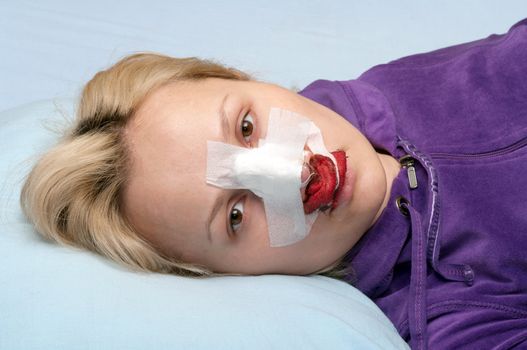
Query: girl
{"points": [[420, 200]]}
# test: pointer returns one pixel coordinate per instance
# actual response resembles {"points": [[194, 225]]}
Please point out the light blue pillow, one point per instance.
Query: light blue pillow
{"points": [[54, 297]]}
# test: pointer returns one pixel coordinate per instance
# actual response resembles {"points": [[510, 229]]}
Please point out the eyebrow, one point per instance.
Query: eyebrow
{"points": [[215, 210], [224, 122]]}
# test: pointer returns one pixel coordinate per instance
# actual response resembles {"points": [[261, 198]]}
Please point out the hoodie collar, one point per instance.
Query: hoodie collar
{"points": [[382, 244]]}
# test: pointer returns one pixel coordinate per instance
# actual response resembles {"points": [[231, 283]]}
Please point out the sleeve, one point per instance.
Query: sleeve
{"points": [[453, 98]]}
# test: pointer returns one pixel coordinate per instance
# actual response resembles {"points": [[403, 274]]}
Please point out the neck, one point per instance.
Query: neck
{"points": [[391, 168]]}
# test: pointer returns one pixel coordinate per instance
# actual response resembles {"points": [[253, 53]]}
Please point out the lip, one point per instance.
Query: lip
{"points": [[344, 194]]}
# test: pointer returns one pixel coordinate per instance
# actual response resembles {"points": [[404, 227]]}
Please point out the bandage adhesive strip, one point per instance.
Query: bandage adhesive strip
{"points": [[272, 171]]}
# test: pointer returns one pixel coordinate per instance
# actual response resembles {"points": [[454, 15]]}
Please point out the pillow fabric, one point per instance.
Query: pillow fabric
{"points": [[54, 297]]}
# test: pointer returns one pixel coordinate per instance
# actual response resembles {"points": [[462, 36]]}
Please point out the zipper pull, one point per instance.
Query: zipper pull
{"points": [[408, 162]]}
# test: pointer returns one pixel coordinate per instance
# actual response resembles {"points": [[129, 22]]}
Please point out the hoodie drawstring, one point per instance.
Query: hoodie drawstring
{"points": [[417, 316], [450, 272]]}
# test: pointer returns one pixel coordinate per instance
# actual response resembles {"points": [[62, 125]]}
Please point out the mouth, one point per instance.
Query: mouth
{"points": [[322, 190]]}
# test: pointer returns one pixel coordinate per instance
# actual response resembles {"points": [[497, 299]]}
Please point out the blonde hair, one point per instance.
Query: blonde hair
{"points": [[73, 193]]}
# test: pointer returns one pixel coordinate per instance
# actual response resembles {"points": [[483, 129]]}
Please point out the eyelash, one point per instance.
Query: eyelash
{"points": [[250, 119]]}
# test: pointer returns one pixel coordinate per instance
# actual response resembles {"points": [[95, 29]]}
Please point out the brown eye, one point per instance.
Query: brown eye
{"points": [[236, 216], [247, 127]]}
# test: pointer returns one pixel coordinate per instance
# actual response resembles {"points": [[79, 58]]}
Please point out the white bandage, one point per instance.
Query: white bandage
{"points": [[273, 172]]}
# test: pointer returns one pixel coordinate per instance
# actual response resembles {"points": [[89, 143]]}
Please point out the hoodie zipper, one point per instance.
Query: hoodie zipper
{"points": [[509, 149], [408, 162]]}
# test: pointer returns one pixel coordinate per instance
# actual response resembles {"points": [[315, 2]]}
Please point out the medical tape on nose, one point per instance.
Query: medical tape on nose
{"points": [[272, 171]]}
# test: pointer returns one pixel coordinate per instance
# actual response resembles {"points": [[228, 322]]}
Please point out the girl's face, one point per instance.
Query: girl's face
{"points": [[168, 200]]}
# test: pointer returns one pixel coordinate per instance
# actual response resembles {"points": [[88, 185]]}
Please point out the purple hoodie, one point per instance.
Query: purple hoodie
{"points": [[447, 259]]}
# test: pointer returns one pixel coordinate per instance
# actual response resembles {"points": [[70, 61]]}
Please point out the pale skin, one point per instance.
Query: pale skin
{"points": [[169, 202]]}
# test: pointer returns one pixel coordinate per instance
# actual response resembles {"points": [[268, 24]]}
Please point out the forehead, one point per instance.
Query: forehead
{"points": [[167, 144]]}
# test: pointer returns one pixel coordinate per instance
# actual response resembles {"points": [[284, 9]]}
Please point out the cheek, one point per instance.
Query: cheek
{"points": [[334, 127]]}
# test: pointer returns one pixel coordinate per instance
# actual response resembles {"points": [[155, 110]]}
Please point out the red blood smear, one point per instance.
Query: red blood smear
{"points": [[321, 189]]}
